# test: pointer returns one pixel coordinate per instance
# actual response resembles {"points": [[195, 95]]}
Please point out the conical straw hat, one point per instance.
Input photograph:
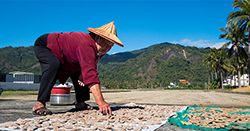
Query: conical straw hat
{"points": [[108, 32]]}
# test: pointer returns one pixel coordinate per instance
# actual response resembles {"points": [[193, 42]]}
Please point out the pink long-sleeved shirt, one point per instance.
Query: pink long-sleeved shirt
{"points": [[77, 52]]}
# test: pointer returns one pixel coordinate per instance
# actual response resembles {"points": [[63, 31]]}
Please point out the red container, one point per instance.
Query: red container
{"points": [[61, 90]]}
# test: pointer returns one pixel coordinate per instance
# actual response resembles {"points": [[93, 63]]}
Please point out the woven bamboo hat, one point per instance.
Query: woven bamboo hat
{"points": [[107, 31]]}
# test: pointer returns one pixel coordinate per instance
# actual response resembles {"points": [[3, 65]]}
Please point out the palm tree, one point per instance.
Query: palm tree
{"points": [[216, 63], [242, 18], [237, 39], [210, 62]]}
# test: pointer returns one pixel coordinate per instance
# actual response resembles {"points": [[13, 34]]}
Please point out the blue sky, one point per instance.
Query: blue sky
{"points": [[139, 23]]}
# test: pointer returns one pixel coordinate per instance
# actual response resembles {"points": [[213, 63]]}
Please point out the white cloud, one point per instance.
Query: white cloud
{"points": [[199, 43], [218, 45]]}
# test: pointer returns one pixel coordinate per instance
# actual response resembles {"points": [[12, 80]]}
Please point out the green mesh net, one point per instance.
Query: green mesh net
{"points": [[212, 118]]}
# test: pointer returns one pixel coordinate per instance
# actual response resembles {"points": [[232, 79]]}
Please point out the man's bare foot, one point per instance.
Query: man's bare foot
{"points": [[38, 105], [83, 106], [39, 109]]}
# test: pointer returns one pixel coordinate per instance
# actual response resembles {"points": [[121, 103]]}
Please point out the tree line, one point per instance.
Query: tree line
{"points": [[233, 58]]}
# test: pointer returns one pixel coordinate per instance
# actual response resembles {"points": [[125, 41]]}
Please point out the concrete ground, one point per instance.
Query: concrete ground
{"points": [[15, 107], [181, 97]]}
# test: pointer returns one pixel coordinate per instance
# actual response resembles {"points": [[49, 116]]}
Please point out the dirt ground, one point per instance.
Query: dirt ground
{"points": [[167, 97]]}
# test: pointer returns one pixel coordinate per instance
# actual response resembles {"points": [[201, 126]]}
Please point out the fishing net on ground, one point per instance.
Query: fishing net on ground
{"points": [[212, 118]]}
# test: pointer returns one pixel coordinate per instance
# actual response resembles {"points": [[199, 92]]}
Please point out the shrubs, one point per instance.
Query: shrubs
{"points": [[215, 84]]}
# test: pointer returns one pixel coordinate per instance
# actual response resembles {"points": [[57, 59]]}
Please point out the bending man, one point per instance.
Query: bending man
{"points": [[74, 55]]}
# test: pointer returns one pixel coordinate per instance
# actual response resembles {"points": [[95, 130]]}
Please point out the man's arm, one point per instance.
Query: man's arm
{"points": [[102, 104], [87, 57]]}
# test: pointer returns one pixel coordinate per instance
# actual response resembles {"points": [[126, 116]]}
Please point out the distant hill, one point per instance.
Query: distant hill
{"points": [[154, 66], [18, 59]]}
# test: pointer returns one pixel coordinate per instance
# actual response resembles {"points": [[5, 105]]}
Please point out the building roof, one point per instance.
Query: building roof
{"points": [[20, 73]]}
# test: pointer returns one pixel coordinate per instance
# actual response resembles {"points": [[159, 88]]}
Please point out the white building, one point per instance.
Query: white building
{"points": [[233, 81], [22, 77]]}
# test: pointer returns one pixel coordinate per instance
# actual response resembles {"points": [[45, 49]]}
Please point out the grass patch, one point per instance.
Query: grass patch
{"points": [[115, 90], [19, 93], [242, 89]]}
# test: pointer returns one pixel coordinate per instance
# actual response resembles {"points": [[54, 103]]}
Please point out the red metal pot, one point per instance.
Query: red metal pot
{"points": [[61, 90]]}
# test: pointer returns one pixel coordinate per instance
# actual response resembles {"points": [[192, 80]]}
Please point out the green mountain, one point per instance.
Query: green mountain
{"points": [[18, 59], [154, 66]]}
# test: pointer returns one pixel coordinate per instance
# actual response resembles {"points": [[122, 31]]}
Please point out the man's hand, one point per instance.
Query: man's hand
{"points": [[80, 83], [104, 107]]}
